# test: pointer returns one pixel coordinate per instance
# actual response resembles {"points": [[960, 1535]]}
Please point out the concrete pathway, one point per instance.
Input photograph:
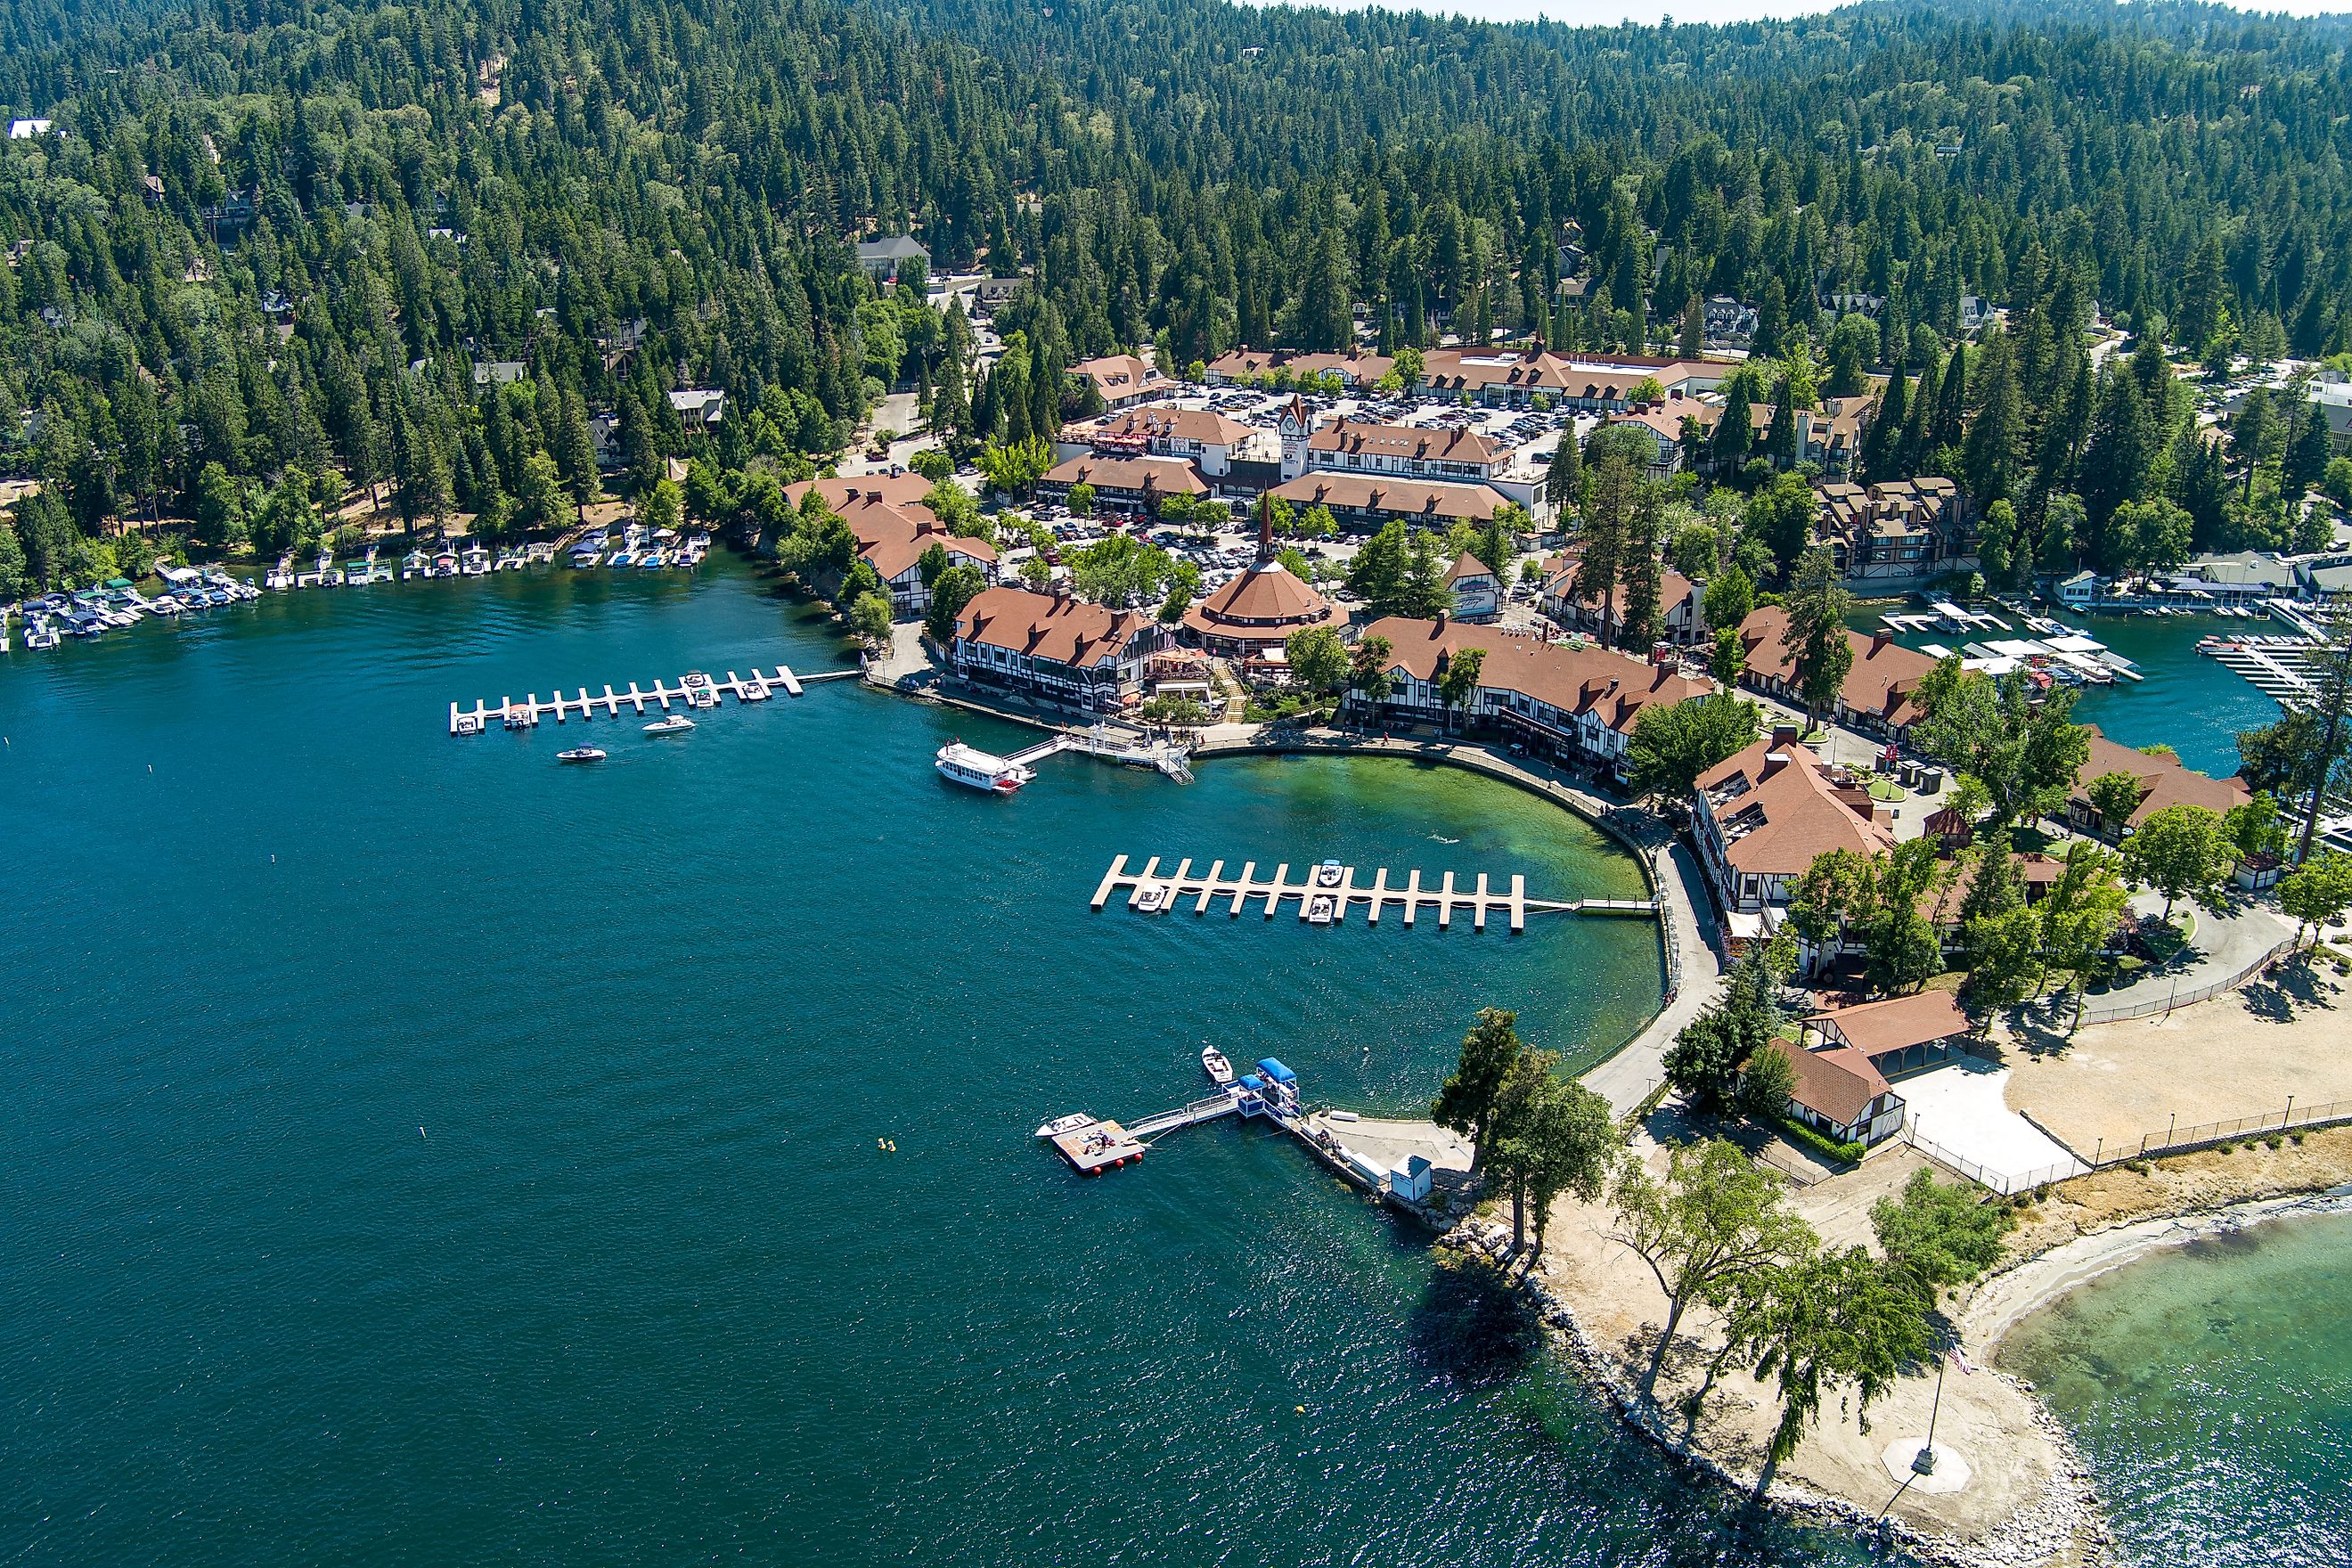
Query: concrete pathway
{"points": [[1634, 1073]]}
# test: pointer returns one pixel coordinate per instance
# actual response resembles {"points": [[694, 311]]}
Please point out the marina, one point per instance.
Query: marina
{"points": [[695, 689], [1328, 891]]}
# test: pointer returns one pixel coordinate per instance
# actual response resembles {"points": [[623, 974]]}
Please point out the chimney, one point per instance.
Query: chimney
{"points": [[1783, 737], [1774, 760], [1879, 640]]}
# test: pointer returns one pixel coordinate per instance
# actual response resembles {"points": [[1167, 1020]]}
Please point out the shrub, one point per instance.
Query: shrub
{"points": [[2273, 1140], [1798, 1133]]}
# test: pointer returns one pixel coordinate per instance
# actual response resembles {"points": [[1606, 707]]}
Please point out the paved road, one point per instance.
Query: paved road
{"points": [[2226, 944]]}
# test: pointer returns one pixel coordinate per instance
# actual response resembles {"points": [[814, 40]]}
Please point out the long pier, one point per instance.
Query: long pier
{"points": [[1163, 891], [694, 691]]}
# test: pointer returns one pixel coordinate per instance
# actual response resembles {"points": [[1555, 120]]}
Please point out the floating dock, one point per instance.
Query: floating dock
{"points": [[694, 691], [1151, 892], [1171, 759]]}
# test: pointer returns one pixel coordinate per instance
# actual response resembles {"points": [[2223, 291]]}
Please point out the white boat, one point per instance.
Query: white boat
{"points": [[677, 724], [1320, 909], [1061, 1124], [653, 559], [1150, 899], [1327, 874], [975, 769], [580, 754], [1214, 1062]]}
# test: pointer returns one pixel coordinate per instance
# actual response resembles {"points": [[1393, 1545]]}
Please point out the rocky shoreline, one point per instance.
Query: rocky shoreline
{"points": [[2067, 1527]]}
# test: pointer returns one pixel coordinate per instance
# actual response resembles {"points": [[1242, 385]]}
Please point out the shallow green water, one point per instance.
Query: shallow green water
{"points": [[2210, 1387], [417, 1151]]}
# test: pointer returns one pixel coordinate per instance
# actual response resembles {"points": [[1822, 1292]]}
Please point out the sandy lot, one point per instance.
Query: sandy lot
{"points": [[2015, 1468], [2237, 1055]]}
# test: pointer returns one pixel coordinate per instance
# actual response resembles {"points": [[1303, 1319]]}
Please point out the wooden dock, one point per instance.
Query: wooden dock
{"points": [[1163, 891], [692, 690]]}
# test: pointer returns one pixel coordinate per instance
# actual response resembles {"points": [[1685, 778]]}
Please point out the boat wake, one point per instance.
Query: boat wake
{"points": [[1442, 839]]}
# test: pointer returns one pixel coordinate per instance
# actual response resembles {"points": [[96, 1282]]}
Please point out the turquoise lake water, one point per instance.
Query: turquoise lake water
{"points": [[418, 1151], [2210, 1388], [2192, 703]]}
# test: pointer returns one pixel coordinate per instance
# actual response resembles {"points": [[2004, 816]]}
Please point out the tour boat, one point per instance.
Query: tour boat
{"points": [[960, 764], [1327, 874], [1214, 1062], [580, 754], [1320, 909], [677, 724], [1061, 1124]]}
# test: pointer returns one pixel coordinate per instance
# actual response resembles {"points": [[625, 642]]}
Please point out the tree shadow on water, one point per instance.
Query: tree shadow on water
{"points": [[1472, 1325]]}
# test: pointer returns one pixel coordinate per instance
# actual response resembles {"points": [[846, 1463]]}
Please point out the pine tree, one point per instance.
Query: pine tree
{"points": [[1606, 517], [1989, 461], [1882, 447], [1640, 568]]}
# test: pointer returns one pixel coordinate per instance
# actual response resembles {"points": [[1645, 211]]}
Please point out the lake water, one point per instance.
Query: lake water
{"points": [[2210, 1388], [418, 1151], [2194, 704]]}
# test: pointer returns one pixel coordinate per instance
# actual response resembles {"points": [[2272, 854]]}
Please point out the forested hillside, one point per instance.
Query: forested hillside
{"points": [[275, 239]]}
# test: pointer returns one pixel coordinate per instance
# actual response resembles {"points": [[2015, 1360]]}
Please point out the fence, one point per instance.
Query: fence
{"points": [[2173, 1139], [2095, 1013], [2179, 1139], [2006, 1182]]}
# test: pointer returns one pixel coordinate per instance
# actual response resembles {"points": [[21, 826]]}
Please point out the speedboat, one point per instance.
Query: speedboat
{"points": [[1214, 1062], [1061, 1124], [677, 724], [1151, 897], [652, 558], [1327, 874], [624, 556], [580, 754], [1320, 909]]}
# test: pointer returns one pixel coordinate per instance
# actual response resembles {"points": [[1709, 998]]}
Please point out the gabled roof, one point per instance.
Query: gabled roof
{"points": [[1884, 675], [1609, 686], [1875, 1029], [1041, 626], [1356, 437], [1392, 494], [1837, 1084], [2163, 780], [1202, 424], [1779, 810], [1160, 476], [1466, 566]]}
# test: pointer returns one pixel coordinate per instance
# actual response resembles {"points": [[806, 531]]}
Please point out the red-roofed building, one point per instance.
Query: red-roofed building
{"points": [[1840, 1095], [1122, 379], [1576, 704], [1763, 816], [1901, 1034], [1053, 648], [1124, 484], [1879, 690], [1682, 603], [2162, 780]]}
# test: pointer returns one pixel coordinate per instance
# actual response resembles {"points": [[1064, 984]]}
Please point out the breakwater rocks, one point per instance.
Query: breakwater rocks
{"points": [[2063, 1529]]}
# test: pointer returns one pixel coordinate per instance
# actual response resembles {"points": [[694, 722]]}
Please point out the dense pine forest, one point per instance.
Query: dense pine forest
{"points": [[262, 248]]}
